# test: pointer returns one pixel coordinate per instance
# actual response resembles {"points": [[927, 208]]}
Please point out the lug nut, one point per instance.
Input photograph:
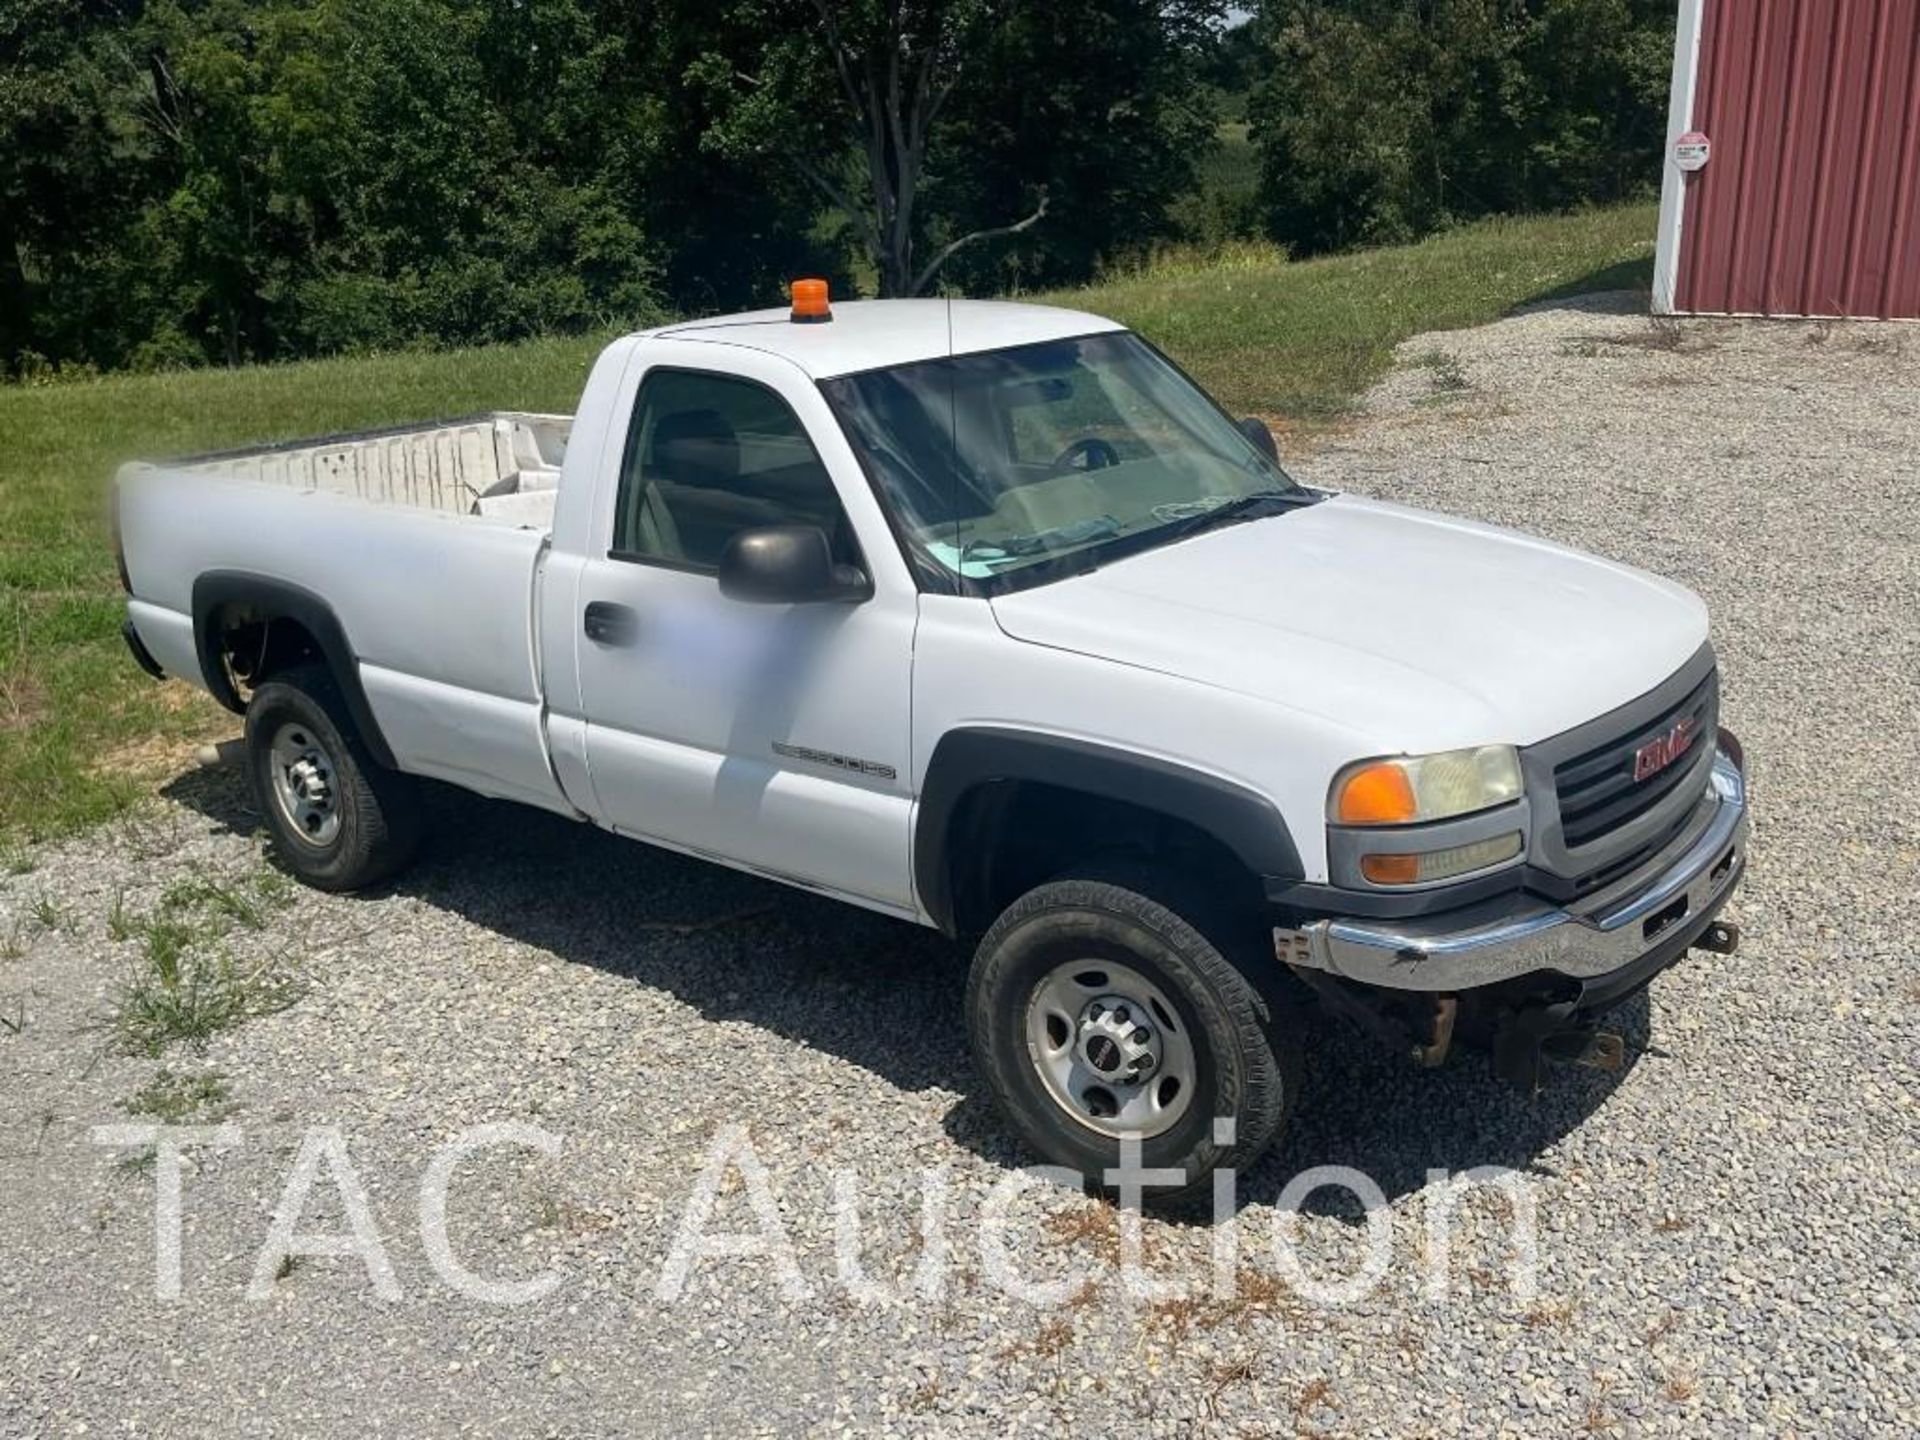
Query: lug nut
{"points": [[1120, 1015], [1140, 1036]]}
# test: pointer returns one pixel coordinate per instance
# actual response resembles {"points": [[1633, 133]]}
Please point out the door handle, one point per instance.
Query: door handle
{"points": [[617, 626]]}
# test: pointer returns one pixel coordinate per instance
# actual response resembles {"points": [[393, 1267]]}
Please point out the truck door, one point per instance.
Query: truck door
{"points": [[772, 736]]}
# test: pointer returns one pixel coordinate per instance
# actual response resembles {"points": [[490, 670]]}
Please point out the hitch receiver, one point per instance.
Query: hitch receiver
{"points": [[1589, 1049], [1719, 937]]}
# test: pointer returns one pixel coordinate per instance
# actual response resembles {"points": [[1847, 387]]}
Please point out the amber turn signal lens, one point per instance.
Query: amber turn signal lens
{"points": [[1391, 869], [810, 301], [1422, 866], [1376, 795]]}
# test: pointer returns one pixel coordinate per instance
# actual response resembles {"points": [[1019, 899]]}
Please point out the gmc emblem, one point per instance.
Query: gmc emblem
{"points": [[1661, 751]]}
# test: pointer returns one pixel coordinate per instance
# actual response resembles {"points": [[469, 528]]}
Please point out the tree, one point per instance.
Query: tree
{"points": [[1102, 106], [932, 126], [849, 92], [1380, 120]]}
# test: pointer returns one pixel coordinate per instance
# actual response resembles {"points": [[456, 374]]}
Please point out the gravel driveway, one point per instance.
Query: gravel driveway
{"points": [[1728, 1231]]}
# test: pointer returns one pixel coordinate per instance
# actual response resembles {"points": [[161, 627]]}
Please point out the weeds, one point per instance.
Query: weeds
{"points": [[1445, 373], [245, 905], [184, 991], [1664, 333], [1599, 1420], [1315, 1394], [17, 860], [121, 924], [1680, 1387], [1255, 1293], [175, 1098], [147, 833], [14, 1023], [45, 912], [924, 1396], [12, 946], [186, 985]]}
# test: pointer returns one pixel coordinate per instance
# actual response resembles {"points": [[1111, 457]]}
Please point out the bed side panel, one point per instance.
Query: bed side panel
{"points": [[436, 609]]}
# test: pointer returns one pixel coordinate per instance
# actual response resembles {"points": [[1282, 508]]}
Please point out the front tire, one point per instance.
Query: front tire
{"points": [[1111, 1003], [338, 819]]}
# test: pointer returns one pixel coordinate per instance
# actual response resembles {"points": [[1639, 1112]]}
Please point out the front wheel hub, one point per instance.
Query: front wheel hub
{"points": [[1110, 1049], [1116, 1041]]}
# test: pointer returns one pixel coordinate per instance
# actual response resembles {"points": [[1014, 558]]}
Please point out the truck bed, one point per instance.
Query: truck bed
{"points": [[424, 541], [502, 466]]}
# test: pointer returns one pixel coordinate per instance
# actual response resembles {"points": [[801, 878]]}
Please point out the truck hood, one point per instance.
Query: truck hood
{"points": [[1414, 630]]}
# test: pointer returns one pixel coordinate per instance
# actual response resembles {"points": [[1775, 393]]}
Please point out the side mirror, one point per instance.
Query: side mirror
{"points": [[1255, 429], [788, 565]]}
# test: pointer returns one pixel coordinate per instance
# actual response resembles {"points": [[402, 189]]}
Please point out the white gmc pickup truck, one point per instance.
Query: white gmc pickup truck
{"points": [[985, 616]]}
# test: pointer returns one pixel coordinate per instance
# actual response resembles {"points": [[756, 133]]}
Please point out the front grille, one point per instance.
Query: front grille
{"points": [[1596, 790], [1624, 864]]}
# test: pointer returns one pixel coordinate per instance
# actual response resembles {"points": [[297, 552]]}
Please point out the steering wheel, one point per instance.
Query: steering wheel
{"points": [[1099, 455]]}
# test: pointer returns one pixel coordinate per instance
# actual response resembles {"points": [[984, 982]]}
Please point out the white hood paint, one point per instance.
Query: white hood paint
{"points": [[1418, 631]]}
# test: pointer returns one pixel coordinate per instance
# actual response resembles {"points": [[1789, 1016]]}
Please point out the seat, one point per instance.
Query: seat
{"points": [[692, 504]]}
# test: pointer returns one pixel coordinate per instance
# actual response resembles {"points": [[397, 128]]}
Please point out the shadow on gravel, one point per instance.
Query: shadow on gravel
{"points": [[887, 996], [871, 990], [1367, 1108]]}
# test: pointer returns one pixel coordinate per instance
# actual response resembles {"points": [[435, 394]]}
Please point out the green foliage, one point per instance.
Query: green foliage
{"points": [[1382, 120], [950, 122], [186, 985], [1100, 106], [195, 180]]}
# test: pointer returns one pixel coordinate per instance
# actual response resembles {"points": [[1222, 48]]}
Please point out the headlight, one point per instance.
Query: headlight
{"points": [[1418, 788]]}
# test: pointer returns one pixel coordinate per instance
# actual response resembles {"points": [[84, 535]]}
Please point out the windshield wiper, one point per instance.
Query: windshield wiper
{"points": [[1254, 506], [1061, 537]]}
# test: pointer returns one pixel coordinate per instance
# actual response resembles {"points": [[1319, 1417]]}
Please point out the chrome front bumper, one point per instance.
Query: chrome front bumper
{"points": [[1426, 955]]}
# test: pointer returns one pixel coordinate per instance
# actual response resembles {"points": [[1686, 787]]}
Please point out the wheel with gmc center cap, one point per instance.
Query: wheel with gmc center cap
{"points": [[1115, 1003], [339, 819]]}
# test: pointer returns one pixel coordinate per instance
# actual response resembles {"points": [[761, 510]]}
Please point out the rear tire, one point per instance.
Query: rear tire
{"points": [[1046, 983], [339, 820]]}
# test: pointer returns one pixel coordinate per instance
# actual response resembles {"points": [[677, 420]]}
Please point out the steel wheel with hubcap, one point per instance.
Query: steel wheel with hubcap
{"points": [[339, 820], [1109, 1049], [1117, 1003], [303, 783]]}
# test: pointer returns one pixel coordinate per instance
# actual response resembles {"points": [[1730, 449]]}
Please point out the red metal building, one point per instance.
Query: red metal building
{"points": [[1792, 175]]}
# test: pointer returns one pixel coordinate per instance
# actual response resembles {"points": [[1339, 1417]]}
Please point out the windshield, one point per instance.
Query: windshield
{"points": [[1010, 466]]}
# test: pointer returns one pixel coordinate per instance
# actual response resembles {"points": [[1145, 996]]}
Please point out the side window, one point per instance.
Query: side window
{"points": [[709, 455]]}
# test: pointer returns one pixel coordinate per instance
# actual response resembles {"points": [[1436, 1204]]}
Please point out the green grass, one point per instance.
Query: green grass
{"points": [[1299, 341], [83, 734]]}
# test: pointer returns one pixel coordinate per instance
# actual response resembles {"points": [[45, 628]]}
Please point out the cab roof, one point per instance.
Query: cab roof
{"points": [[873, 334]]}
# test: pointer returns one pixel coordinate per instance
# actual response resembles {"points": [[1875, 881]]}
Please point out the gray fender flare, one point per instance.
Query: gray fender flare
{"points": [[1246, 823], [220, 590]]}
